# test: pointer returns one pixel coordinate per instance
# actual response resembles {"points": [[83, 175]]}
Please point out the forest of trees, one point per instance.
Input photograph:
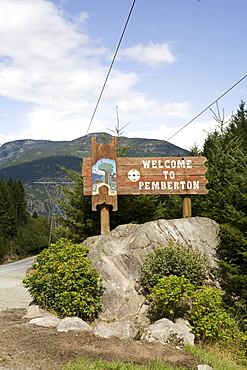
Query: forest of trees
{"points": [[20, 234]]}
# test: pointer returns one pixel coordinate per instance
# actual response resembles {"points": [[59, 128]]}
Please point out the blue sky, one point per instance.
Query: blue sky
{"points": [[176, 58]]}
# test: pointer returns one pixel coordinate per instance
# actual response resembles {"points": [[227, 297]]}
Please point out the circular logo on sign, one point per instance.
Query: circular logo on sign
{"points": [[134, 175]]}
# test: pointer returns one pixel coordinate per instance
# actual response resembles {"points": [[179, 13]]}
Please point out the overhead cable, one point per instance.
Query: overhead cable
{"points": [[111, 65], [209, 106]]}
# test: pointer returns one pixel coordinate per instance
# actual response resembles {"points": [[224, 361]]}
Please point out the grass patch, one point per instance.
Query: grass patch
{"points": [[84, 364], [3, 359], [216, 357]]}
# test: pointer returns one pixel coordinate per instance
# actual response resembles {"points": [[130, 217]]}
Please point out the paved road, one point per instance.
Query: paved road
{"points": [[12, 292]]}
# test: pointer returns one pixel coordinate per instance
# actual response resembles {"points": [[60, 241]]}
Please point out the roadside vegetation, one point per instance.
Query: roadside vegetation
{"points": [[99, 365], [63, 281], [226, 203], [21, 235], [174, 279]]}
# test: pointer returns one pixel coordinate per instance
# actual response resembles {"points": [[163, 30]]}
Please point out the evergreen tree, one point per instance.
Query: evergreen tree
{"points": [[81, 222], [8, 223], [20, 234], [226, 203], [19, 200], [33, 237]]}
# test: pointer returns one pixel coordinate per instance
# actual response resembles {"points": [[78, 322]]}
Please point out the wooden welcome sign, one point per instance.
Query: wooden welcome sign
{"points": [[106, 176]]}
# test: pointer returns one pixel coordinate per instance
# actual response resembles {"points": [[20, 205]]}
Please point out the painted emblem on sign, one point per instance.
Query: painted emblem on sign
{"points": [[134, 175], [104, 173]]}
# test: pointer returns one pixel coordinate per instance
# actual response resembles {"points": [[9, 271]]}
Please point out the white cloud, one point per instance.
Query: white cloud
{"points": [[195, 133], [138, 106], [48, 59], [153, 54]]}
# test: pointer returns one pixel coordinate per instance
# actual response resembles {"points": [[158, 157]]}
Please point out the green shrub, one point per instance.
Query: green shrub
{"points": [[171, 296], [174, 260], [175, 297], [64, 281], [209, 319]]}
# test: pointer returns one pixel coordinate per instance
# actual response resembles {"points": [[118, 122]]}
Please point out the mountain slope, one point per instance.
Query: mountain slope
{"points": [[35, 161], [22, 151]]}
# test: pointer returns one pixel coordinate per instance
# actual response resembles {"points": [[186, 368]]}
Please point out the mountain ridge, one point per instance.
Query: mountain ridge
{"points": [[28, 150], [35, 161]]}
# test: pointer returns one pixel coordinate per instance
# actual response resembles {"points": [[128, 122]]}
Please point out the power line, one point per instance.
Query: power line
{"points": [[111, 65], [209, 106]]}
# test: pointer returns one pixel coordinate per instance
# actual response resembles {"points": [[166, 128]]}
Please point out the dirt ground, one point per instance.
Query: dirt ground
{"points": [[24, 346]]}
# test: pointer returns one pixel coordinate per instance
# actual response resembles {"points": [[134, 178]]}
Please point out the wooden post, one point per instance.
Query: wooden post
{"points": [[186, 206], [104, 218]]}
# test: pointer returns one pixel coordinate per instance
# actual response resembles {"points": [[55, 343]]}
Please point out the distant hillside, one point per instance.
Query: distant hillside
{"points": [[33, 160], [23, 151], [49, 167]]}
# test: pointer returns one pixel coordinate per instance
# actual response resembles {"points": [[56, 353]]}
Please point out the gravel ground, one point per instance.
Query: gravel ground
{"points": [[29, 347]]}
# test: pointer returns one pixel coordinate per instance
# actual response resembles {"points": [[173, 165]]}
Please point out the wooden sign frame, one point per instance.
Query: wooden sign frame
{"points": [[106, 176]]}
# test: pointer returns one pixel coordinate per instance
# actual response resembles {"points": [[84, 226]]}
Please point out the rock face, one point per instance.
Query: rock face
{"points": [[119, 255]]}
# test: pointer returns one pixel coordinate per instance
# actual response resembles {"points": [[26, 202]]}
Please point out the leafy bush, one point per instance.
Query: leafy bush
{"points": [[171, 296], [208, 317], [64, 281], [174, 260], [176, 297]]}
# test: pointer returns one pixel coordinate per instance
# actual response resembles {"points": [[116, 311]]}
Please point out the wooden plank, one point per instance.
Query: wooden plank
{"points": [[201, 190], [124, 170], [124, 181], [166, 175], [122, 190], [87, 161], [129, 161], [188, 161]]}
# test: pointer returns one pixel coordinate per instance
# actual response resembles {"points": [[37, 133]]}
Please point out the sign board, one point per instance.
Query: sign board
{"points": [[140, 175], [106, 177]]}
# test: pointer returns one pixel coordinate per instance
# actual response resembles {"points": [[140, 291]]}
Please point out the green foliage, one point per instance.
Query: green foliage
{"points": [[81, 222], [20, 235], [174, 276], [17, 192], [33, 237], [210, 321], [171, 295], [226, 203], [217, 357], [177, 260], [8, 222], [137, 209], [176, 297], [64, 281], [85, 364]]}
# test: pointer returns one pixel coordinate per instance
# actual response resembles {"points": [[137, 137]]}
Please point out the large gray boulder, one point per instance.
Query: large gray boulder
{"points": [[121, 330], [168, 332], [48, 321], [73, 323], [119, 255]]}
